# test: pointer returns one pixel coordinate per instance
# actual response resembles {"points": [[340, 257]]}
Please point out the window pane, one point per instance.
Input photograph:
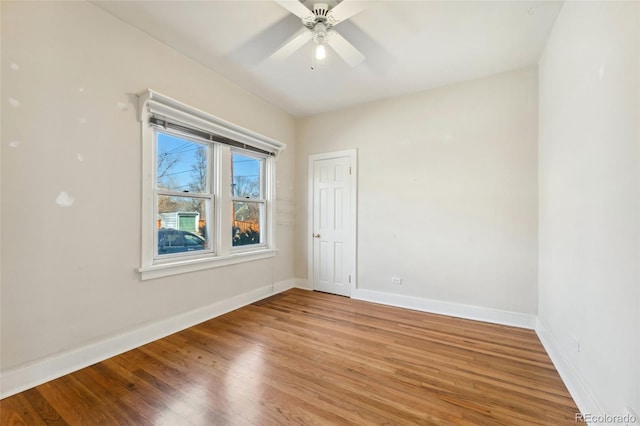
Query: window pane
{"points": [[182, 224], [246, 172], [247, 217], [182, 164]]}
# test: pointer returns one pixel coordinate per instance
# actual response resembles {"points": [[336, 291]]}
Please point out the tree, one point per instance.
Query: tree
{"points": [[246, 187], [198, 182], [199, 170], [166, 161]]}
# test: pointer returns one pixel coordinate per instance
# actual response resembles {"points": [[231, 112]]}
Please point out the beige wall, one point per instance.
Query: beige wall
{"points": [[69, 274], [448, 187], [447, 190], [590, 198]]}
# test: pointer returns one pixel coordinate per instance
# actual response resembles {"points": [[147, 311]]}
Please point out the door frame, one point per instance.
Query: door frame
{"points": [[352, 154]]}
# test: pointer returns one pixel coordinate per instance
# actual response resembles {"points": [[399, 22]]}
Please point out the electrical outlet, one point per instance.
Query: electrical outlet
{"points": [[396, 280]]}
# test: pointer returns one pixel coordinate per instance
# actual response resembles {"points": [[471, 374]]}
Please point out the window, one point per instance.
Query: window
{"points": [[191, 220], [248, 199], [183, 193]]}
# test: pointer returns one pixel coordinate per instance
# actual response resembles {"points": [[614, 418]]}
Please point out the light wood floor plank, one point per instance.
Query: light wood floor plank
{"points": [[315, 359]]}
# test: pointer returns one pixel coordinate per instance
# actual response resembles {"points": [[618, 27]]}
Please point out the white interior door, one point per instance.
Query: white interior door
{"points": [[333, 239]]}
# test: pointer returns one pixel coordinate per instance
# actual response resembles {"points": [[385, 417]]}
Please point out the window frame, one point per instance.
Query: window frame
{"points": [[210, 210], [153, 104], [263, 199]]}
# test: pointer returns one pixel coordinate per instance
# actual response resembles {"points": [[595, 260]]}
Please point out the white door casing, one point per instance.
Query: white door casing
{"points": [[332, 222]]}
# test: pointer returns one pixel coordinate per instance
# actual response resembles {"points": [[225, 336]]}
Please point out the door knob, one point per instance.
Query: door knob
{"points": [[316, 235]]}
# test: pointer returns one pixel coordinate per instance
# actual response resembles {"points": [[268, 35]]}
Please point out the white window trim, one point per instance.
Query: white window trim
{"points": [[151, 102], [266, 192], [211, 195]]}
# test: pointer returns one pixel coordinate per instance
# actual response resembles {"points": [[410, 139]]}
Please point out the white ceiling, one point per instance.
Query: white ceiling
{"points": [[409, 45]]}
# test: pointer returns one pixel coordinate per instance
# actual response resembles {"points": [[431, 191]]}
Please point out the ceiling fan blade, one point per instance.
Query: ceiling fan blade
{"points": [[297, 8], [346, 10], [293, 44], [344, 49]]}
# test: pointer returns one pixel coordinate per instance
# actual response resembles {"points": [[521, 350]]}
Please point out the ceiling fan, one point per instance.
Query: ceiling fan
{"points": [[318, 26]]}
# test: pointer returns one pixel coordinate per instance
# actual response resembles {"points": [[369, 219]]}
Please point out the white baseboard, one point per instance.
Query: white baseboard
{"points": [[281, 286], [477, 313], [39, 372], [579, 391], [303, 284]]}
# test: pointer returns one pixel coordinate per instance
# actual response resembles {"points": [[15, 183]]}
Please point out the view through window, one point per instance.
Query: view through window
{"points": [[248, 199], [184, 197]]}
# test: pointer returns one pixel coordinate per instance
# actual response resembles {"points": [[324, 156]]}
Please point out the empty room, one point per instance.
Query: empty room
{"points": [[337, 212]]}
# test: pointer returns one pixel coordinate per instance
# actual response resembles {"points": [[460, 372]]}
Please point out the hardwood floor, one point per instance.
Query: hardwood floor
{"points": [[313, 358]]}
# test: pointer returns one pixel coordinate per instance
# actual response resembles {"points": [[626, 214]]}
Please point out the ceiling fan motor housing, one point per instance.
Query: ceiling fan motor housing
{"points": [[320, 15], [320, 10]]}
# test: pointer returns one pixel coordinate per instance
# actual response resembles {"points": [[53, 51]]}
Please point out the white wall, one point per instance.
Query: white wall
{"points": [[589, 204], [447, 190], [69, 274]]}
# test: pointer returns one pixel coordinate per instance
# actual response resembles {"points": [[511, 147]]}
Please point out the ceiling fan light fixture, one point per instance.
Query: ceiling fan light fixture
{"points": [[319, 37], [319, 32], [321, 52]]}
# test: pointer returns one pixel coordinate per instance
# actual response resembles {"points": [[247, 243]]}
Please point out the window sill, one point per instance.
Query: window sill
{"points": [[192, 265]]}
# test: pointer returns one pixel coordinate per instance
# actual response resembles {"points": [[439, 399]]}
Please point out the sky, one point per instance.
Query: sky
{"points": [[184, 152]]}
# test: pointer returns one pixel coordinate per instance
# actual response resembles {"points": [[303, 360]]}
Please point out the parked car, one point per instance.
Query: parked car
{"points": [[176, 241]]}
